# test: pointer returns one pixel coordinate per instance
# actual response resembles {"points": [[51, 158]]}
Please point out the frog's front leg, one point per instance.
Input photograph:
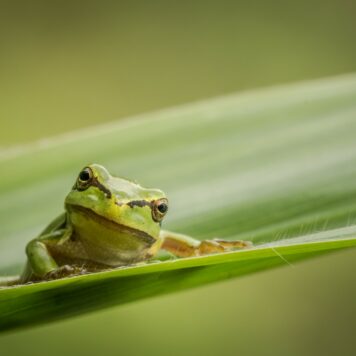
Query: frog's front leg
{"points": [[41, 264], [186, 246]]}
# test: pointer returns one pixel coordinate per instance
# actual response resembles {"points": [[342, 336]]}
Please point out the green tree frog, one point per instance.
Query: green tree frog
{"points": [[109, 222]]}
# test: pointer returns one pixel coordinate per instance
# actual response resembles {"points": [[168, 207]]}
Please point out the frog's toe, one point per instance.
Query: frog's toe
{"points": [[234, 244], [65, 271]]}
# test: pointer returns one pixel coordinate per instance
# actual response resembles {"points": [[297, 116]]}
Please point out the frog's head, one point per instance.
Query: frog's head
{"points": [[117, 202]]}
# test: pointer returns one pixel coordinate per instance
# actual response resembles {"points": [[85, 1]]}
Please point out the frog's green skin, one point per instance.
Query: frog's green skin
{"points": [[108, 222]]}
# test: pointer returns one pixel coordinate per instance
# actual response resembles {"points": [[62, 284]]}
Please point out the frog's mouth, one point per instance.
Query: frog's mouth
{"points": [[142, 235]]}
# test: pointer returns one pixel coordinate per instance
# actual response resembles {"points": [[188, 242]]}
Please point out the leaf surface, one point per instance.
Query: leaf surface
{"points": [[276, 166]]}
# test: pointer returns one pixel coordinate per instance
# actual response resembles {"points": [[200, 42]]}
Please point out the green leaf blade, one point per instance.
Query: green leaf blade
{"points": [[275, 166], [48, 301]]}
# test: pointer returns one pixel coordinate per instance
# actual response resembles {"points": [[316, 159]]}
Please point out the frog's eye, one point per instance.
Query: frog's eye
{"points": [[159, 209], [84, 179]]}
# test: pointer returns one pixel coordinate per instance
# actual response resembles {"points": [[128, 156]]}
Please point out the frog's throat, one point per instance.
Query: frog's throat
{"points": [[144, 236]]}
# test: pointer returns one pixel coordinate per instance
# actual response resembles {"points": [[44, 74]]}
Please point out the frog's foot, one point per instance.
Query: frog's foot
{"points": [[217, 245], [65, 271]]}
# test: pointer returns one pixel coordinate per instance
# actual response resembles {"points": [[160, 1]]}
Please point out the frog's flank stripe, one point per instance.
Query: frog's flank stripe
{"points": [[106, 191], [140, 203]]}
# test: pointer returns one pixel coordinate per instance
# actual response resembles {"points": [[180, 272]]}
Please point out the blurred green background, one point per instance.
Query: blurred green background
{"points": [[66, 65]]}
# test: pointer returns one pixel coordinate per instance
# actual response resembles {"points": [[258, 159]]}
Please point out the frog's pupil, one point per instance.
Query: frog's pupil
{"points": [[162, 208], [84, 176]]}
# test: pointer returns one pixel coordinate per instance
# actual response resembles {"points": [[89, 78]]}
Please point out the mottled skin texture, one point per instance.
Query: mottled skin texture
{"points": [[108, 222]]}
